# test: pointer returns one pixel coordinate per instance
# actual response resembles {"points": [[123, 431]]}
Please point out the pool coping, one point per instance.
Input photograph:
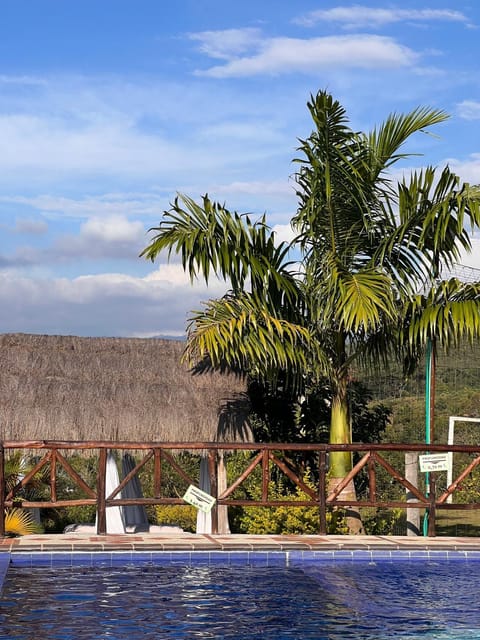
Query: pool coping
{"points": [[227, 543]]}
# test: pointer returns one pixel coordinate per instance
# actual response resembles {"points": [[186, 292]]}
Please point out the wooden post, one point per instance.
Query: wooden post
{"points": [[53, 475], [322, 492], [372, 478], [157, 473], [265, 474], [411, 474], [101, 481], [2, 491], [212, 470]]}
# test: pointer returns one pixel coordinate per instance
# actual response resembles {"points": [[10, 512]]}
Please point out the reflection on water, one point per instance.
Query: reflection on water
{"points": [[335, 601]]}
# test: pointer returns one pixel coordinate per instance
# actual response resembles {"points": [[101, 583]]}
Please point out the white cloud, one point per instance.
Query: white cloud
{"points": [[107, 304], [99, 238], [111, 237], [30, 226], [469, 109], [468, 170], [228, 43], [109, 204], [51, 144], [293, 55], [114, 229], [276, 187], [283, 233], [360, 16], [32, 81], [80, 131]]}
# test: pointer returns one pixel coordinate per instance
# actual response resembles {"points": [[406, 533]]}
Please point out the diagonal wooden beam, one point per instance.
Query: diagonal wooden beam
{"points": [[229, 490], [74, 475], [181, 472], [401, 479], [26, 479], [131, 474], [348, 478], [293, 476], [450, 489]]}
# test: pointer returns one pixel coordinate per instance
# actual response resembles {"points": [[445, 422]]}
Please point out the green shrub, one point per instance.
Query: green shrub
{"points": [[289, 519], [184, 516], [386, 522]]}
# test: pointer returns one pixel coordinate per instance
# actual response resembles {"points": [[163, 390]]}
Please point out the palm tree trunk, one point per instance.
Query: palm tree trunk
{"points": [[341, 461]]}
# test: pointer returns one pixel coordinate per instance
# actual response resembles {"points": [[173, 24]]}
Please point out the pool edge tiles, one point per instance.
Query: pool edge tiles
{"points": [[293, 558], [167, 558]]}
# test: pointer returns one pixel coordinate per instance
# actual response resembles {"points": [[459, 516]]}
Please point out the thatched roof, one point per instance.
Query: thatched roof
{"points": [[70, 388]]}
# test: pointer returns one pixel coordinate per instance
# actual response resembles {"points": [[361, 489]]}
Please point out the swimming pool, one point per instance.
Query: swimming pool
{"points": [[242, 595]]}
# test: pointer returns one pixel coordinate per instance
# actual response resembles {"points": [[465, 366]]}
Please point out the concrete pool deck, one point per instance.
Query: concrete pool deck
{"points": [[75, 542]]}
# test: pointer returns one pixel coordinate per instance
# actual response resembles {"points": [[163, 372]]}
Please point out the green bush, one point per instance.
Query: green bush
{"points": [[289, 519], [184, 516]]}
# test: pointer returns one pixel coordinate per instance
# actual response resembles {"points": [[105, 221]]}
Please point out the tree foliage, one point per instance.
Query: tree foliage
{"points": [[368, 255]]}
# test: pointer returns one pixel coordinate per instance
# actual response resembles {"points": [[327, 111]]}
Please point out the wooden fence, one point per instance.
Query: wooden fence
{"points": [[52, 456]]}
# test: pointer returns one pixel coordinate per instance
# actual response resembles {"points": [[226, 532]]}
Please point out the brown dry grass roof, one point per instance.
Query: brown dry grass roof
{"points": [[71, 388]]}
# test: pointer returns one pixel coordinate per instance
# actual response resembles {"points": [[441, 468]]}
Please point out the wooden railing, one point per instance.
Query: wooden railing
{"points": [[51, 456]]}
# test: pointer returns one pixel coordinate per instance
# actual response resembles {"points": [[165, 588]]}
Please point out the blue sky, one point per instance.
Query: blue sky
{"points": [[108, 108]]}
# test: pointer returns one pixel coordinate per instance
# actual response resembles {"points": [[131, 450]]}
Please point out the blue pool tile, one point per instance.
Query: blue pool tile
{"points": [[472, 555], [276, 559], [384, 552], [307, 557], [81, 558], [117, 557], [322, 555], [239, 557], [259, 558], [295, 558], [61, 559], [4, 562], [343, 555], [143, 557], [104, 559], [220, 558], [402, 554], [418, 554], [459, 556], [21, 559], [181, 557], [42, 559], [201, 557], [437, 555], [361, 554]]}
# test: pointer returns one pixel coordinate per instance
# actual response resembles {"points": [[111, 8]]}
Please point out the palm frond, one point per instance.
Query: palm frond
{"points": [[449, 312], [243, 333], [386, 140], [214, 241], [20, 523]]}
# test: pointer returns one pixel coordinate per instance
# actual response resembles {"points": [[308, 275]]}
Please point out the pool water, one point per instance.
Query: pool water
{"points": [[324, 600]]}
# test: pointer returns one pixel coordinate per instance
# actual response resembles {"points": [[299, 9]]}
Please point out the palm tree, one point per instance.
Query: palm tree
{"points": [[369, 246], [363, 245]]}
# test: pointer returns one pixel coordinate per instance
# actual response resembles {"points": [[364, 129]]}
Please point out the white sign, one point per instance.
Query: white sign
{"points": [[436, 462], [198, 498]]}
